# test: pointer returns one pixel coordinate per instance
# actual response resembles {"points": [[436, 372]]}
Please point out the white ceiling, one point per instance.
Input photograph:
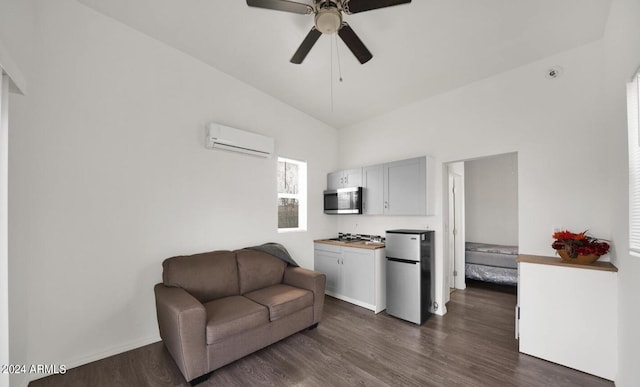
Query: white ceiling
{"points": [[419, 49]]}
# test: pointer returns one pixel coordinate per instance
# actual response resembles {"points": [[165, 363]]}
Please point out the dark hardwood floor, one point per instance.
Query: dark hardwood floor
{"points": [[473, 345]]}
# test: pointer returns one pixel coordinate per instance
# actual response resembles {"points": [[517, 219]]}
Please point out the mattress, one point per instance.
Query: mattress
{"points": [[497, 275], [491, 255]]}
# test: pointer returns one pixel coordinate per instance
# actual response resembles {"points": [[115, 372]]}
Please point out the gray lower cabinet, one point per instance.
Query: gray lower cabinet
{"points": [[358, 274], [355, 275], [327, 261]]}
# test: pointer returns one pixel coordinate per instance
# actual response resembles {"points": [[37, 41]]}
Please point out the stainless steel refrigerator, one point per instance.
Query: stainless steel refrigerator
{"points": [[410, 283]]}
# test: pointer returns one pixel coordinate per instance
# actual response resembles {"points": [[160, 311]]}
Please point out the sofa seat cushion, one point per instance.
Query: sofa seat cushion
{"points": [[282, 300], [229, 316]]}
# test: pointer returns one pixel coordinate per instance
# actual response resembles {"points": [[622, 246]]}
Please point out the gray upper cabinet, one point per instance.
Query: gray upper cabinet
{"points": [[396, 188], [345, 178], [405, 187], [373, 190]]}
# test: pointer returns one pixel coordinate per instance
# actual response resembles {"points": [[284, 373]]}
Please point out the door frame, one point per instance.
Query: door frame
{"points": [[11, 81], [454, 227]]}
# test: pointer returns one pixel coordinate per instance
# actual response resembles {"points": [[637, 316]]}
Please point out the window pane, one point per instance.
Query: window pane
{"points": [[287, 177], [292, 195], [281, 181], [288, 213], [633, 110], [291, 178]]}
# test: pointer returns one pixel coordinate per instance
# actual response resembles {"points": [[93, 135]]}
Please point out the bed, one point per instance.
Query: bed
{"points": [[491, 263]]}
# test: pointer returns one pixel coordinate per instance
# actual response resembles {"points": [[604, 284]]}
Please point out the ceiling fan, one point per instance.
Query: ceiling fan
{"points": [[328, 20]]}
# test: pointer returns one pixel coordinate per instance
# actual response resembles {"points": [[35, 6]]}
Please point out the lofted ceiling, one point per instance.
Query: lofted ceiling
{"points": [[419, 49]]}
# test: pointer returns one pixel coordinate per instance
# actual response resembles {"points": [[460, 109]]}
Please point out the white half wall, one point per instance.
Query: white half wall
{"points": [[109, 176]]}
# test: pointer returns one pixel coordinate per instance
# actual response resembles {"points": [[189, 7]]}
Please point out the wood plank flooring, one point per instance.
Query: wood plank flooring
{"points": [[473, 345]]}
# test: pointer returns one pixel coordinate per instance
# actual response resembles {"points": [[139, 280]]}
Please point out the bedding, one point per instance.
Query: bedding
{"points": [[491, 263]]}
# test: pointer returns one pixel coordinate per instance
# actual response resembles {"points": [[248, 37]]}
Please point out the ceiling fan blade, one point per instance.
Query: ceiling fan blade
{"points": [[355, 6], [354, 43], [282, 5], [305, 47]]}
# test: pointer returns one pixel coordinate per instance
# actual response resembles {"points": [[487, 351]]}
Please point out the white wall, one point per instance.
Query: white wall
{"points": [[556, 126], [491, 199], [109, 176], [16, 44], [622, 58]]}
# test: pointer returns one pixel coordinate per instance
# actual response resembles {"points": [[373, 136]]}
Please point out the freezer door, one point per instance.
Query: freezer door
{"points": [[403, 246], [403, 289]]}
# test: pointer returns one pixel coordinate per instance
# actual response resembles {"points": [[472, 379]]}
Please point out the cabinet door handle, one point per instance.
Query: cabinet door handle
{"points": [[386, 204]]}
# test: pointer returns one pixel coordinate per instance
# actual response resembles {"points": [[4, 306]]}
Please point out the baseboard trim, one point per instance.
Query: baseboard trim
{"points": [[90, 358]]}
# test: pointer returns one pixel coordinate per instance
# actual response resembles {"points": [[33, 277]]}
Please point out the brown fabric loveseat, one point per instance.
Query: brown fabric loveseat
{"points": [[214, 308]]}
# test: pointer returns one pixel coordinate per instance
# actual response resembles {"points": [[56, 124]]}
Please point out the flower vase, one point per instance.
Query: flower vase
{"points": [[582, 259]]}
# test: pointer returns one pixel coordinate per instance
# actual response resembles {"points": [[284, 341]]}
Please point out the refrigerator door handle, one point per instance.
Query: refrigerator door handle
{"points": [[401, 260]]}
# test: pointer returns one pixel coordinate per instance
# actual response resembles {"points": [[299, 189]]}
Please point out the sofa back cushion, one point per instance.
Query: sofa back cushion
{"points": [[206, 276], [258, 270]]}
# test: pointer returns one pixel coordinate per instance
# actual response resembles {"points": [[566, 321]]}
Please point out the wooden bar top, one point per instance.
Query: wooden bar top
{"points": [[359, 244], [555, 261]]}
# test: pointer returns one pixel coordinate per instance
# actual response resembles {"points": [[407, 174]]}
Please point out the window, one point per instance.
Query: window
{"points": [[292, 195], [633, 111]]}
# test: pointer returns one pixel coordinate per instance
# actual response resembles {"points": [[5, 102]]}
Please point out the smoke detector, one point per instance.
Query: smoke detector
{"points": [[554, 72]]}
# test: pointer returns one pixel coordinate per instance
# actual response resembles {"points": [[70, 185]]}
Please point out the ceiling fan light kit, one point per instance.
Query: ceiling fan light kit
{"points": [[328, 20]]}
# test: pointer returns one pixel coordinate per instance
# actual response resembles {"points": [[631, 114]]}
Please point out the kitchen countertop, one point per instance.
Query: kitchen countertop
{"points": [[358, 244]]}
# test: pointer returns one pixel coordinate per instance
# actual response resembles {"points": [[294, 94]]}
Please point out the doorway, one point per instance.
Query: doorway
{"points": [[480, 208]]}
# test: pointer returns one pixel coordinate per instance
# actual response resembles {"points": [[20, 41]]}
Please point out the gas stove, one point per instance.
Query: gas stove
{"points": [[349, 238]]}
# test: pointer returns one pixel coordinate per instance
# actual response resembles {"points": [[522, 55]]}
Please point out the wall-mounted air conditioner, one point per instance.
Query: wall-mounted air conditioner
{"points": [[236, 140]]}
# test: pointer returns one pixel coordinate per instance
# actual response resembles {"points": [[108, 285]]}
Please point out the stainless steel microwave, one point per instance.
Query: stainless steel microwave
{"points": [[343, 201]]}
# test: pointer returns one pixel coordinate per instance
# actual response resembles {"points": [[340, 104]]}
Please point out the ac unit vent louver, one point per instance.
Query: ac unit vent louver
{"points": [[236, 140]]}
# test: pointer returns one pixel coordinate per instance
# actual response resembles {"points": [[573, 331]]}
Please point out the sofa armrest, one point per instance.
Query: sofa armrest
{"points": [[310, 280], [182, 323]]}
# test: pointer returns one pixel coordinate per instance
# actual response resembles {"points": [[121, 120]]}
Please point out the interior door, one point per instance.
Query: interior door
{"points": [[451, 233], [455, 233]]}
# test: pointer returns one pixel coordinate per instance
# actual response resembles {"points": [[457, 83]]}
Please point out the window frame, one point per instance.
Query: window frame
{"points": [[301, 196], [633, 113]]}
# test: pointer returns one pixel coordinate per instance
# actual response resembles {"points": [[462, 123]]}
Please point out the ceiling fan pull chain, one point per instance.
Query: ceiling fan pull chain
{"points": [[331, 66], [338, 55]]}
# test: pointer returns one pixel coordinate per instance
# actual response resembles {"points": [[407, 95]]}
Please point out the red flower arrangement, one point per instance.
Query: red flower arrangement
{"points": [[579, 244]]}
